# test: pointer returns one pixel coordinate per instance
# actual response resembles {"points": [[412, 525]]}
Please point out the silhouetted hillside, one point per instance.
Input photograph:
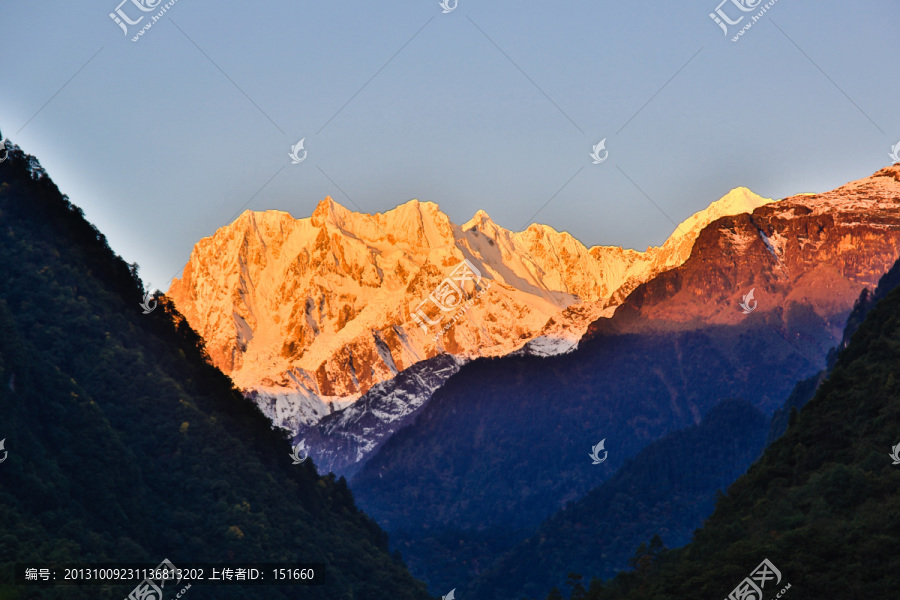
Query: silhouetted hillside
{"points": [[126, 445]]}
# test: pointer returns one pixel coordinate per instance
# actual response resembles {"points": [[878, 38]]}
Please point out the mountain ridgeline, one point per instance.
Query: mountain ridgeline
{"points": [[667, 491], [125, 445], [821, 503], [503, 444], [307, 315]]}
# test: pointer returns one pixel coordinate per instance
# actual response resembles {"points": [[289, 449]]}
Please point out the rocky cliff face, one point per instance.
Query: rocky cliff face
{"points": [[811, 250], [307, 315]]}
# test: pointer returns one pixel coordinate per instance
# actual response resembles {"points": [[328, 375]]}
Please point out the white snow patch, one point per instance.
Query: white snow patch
{"points": [[549, 346]]}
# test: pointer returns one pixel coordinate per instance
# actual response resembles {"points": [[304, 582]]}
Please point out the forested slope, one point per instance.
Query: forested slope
{"points": [[125, 445]]}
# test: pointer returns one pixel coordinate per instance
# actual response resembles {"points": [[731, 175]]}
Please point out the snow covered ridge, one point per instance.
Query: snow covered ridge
{"points": [[307, 315], [344, 441]]}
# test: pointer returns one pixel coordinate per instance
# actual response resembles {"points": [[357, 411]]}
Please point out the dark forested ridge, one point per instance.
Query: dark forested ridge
{"points": [[125, 445], [667, 489], [806, 389], [504, 444], [822, 504]]}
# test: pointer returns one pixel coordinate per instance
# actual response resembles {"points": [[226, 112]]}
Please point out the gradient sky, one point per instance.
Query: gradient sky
{"points": [[492, 106]]}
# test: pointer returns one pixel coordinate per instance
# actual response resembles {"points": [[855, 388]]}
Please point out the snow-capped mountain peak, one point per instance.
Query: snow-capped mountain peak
{"points": [[308, 314]]}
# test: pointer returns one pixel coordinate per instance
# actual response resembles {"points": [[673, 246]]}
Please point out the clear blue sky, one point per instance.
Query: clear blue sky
{"points": [[492, 106]]}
